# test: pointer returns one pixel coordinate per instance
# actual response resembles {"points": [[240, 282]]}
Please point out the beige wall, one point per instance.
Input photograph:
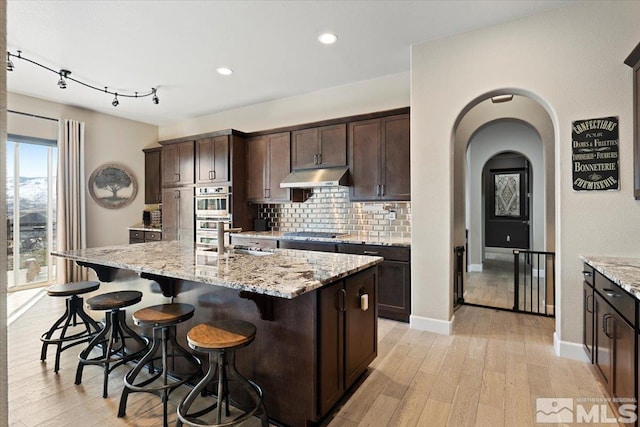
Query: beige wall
{"points": [[367, 96], [107, 139], [571, 60]]}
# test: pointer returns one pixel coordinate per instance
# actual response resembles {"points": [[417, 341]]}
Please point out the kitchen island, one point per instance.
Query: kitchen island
{"points": [[315, 313]]}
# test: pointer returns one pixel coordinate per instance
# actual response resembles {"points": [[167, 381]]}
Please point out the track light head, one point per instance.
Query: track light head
{"points": [[10, 66], [115, 101], [155, 99], [62, 84]]}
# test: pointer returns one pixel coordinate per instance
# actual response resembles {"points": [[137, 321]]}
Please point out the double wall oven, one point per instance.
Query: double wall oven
{"points": [[212, 206]]}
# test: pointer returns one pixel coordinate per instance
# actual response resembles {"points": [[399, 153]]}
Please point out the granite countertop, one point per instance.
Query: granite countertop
{"points": [[624, 272], [142, 227], [284, 273], [355, 238]]}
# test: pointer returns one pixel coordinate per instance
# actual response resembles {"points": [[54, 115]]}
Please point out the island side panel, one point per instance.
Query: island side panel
{"points": [[282, 359]]}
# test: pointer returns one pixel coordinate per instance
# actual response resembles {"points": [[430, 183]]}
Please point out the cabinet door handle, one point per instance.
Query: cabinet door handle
{"points": [[319, 159], [378, 190], [586, 304], [176, 194], [370, 252], [315, 159], [176, 177], [267, 193], [343, 300], [606, 326], [382, 190]]}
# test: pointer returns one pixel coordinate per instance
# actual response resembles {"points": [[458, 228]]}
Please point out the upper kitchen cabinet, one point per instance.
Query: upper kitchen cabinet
{"points": [[177, 164], [268, 163], [152, 175], [633, 60], [379, 161], [319, 147], [212, 160]]}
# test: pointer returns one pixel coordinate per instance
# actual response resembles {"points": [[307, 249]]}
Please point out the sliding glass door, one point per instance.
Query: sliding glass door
{"points": [[31, 211]]}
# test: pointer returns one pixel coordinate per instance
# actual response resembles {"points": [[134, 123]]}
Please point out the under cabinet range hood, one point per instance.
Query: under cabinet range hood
{"points": [[310, 178]]}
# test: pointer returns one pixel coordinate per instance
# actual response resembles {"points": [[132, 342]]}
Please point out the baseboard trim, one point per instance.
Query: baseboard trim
{"points": [[474, 267], [569, 350], [428, 324]]}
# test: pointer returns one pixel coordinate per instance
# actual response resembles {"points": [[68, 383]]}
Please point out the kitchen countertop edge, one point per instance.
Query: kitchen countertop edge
{"points": [[352, 238], [623, 271]]}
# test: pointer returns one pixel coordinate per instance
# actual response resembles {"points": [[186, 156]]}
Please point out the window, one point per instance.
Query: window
{"points": [[31, 211]]}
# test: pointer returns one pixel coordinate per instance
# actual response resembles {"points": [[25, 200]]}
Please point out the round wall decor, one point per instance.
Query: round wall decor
{"points": [[113, 186]]}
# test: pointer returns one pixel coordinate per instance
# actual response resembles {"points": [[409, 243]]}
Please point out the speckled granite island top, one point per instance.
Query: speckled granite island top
{"points": [[624, 272], [284, 273]]}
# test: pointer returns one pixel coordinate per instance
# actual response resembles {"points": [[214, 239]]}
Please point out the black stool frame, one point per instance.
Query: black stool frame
{"points": [[118, 332], [218, 363], [74, 309], [167, 335]]}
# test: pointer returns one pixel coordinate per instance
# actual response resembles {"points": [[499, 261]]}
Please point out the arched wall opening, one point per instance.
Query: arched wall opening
{"points": [[494, 138]]}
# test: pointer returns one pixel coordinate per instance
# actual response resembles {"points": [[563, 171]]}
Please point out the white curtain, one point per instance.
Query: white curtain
{"points": [[71, 214]]}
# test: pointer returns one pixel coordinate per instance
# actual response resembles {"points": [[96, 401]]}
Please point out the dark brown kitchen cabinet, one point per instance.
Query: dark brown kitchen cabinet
{"points": [[613, 336], [346, 331], [379, 159], [152, 175], [178, 214], [319, 147], [178, 164], [307, 245], [212, 160], [140, 236], [268, 163], [394, 282], [633, 60], [588, 312]]}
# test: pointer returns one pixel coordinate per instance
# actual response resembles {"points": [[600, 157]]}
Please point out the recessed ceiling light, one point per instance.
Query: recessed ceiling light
{"points": [[327, 38], [224, 71]]}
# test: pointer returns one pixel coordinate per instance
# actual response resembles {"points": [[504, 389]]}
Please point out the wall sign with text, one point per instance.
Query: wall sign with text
{"points": [[595, 161]]}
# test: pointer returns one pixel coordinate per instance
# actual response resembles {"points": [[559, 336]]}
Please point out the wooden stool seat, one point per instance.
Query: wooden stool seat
{"points": [[163, 315], [73, 288], [220, 339], [221, 334], [114, 300], [63, 334]]}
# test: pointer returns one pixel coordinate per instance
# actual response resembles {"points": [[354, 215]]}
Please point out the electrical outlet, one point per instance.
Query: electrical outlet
{"points": [[392, 215]]}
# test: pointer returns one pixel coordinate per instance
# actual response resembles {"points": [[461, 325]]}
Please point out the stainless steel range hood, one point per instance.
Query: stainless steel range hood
{"points": [[310, 178]]}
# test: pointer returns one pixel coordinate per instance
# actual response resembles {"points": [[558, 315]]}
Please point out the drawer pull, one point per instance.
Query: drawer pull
{"points": [[611, 293], [586, 304], [343, 300], [370, 252], [587, 273]]}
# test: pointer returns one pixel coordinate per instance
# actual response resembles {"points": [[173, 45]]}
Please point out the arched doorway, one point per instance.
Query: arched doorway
{"points": [[486, 129]]}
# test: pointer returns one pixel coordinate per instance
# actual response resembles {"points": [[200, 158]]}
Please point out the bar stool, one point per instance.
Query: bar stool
{"points": [[219, 339], [69, 319], [113, 335], [163, 319]]}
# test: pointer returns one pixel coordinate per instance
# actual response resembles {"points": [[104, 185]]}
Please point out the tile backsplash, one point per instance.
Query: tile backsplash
{"points": [[329, 209]]}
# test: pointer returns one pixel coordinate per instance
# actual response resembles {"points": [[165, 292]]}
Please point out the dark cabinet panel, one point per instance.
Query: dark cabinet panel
{"points": [[178, 164], [212, 160], [604, 346], [347, 334], [624, 362], [379, 159], [395, 163], [321, 147], [268, 163], [178, 214], [152, 175], [587, 319], [307, 246]]}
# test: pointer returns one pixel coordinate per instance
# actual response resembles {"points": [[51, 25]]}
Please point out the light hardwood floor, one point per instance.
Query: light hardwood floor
{"points": [[487, 374]]}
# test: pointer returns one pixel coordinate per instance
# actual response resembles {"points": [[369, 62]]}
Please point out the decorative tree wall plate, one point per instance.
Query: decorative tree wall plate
{"points": [[113, 186]]}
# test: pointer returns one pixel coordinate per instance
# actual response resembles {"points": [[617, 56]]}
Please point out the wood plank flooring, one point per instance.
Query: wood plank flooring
{"points": [[487, 374]]}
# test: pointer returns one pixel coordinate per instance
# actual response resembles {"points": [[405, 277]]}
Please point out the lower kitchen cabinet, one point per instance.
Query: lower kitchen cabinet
{"points": [[394, 284], [610, 334], [142, 236], [346, 334]]}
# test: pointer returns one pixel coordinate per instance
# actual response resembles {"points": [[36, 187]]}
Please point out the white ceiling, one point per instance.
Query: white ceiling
{"points": [[271, 46]]}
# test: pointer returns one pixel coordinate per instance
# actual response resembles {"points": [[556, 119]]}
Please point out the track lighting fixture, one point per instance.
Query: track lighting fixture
{"points": [[10, 66], [62, 83], [65, 76], [155, 97]]}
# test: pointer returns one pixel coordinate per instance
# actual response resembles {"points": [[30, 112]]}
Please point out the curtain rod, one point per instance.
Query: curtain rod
{"points": [[33, 115]]}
